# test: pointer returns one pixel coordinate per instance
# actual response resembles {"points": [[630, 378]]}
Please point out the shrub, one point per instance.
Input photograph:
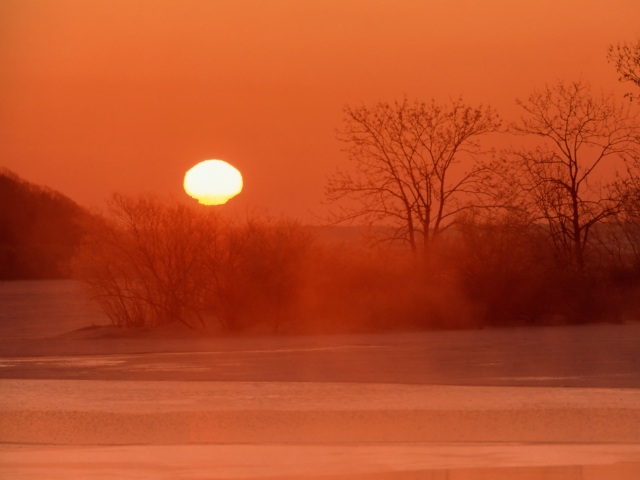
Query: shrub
{"points": [[153, 262]]}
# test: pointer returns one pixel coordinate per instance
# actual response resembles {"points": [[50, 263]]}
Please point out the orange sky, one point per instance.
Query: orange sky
{"points": [[98, 96]]}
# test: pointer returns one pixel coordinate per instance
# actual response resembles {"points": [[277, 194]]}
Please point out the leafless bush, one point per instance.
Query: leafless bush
{"points": [[154, 262], [255, 274], [143, 264], [504, 267]]}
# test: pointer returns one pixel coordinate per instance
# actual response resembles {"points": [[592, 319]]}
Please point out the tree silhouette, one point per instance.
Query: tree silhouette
{"points": [[414, 166], [560, 180], [626, 58]]}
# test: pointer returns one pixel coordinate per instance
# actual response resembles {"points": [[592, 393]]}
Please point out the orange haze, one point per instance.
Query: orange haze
{"points": [[125, 95]]}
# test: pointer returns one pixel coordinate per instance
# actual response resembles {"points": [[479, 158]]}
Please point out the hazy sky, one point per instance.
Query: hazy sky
{"points": [[98, 96]]}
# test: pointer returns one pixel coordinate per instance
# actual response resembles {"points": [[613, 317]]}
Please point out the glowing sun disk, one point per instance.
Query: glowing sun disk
{"points": [[213, 182]]}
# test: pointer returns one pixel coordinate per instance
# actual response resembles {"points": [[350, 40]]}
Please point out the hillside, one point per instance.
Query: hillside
{"points": [[39, 229]]}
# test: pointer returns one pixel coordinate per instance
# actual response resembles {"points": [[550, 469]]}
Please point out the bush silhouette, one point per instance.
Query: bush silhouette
{"points": [[154, 262]]}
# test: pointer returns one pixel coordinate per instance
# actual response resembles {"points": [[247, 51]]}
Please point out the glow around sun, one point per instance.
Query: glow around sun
{"points": [[213, 182]]}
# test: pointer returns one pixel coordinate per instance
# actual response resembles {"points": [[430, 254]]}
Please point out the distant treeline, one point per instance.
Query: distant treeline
{"points": [[40, 230]]}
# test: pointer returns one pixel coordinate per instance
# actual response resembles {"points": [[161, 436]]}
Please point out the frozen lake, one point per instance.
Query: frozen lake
{"points": [[44, 308], [266, 430], [553, 402]]}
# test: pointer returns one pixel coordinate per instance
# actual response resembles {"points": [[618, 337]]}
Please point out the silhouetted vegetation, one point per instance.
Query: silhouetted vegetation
{"points": [[405, 157], [626, 58], [40, 230], [567, 181], [155, 262], [543, 234]]}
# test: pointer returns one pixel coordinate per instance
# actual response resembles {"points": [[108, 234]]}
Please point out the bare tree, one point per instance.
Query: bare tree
{"points": [[414, 165], [582, 136], [626, 58]]}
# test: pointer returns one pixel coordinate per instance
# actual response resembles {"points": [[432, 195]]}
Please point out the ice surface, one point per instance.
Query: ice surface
{"points": [[546, 403]]}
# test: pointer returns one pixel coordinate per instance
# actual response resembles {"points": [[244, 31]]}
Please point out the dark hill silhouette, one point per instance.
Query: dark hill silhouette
{"points": [[39, 229]]}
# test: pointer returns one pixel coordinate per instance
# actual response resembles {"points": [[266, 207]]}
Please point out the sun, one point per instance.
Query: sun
{"points": [[213, 182]]}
